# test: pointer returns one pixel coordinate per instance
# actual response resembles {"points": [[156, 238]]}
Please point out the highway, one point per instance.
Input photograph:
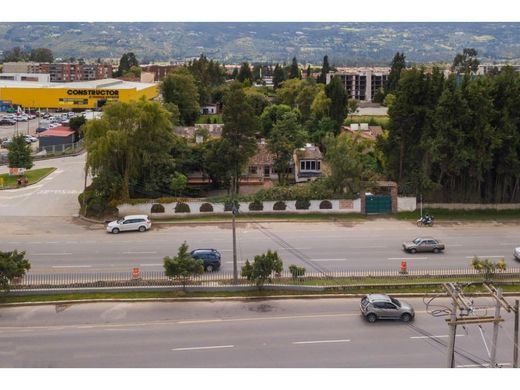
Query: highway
{"points": [[66, 244], [266, 333]]}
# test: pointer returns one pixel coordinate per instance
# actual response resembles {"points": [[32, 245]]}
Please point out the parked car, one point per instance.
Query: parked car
{"points": [[516, 253], [211, 258], [131, 222], [41, 129], [29, 138], [6, 143], [423, 244], [380, 306], [7, 122]]}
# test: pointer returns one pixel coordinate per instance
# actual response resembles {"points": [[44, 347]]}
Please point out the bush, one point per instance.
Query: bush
{"points": [[228, 206], [182, 208], [256, 206], [302, 204], [325, 205], [279, 206], [157, 208], [206, 208], [296, 271]]}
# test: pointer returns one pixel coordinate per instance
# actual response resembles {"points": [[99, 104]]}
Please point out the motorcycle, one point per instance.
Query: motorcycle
{"points": [[427, 220]]}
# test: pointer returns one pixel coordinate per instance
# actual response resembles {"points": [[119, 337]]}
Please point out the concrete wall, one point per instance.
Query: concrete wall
{"points": [[338, 206], [406, 203], [472, 206]]}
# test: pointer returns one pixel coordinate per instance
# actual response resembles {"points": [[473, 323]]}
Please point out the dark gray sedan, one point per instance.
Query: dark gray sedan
{"points": [[423, 244]]}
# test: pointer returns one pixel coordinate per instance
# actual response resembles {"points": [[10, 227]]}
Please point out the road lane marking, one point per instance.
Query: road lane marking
{"points": [[443, 336], [407, 258], [495, 256], [71, 266], [480, 365], [318, 260], [139, 253], [52, 254], [322, 341], [197, 348], [239, 262]]}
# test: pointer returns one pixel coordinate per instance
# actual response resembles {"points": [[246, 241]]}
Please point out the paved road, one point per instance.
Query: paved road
{"points": [[56, 195], [64, 244], [279, 333]]}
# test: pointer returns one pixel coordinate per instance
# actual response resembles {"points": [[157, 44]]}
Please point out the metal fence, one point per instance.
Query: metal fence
{"points": [[158, 278], [57, 150]]}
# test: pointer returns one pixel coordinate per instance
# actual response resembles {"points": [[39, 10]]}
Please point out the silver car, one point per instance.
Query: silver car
{"points": [[131, 222], [380, 306]]}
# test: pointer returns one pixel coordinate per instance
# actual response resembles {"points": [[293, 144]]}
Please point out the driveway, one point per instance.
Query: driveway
{"points": [[55, 195]]}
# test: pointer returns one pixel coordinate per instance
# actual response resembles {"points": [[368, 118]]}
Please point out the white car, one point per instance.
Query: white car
{"points": [[30, 138], [131, 222]]}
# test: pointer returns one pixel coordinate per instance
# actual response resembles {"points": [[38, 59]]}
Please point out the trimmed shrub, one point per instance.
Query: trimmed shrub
{"points": [[279, 206], [157, 208], [228, 206], [303, 204], [256, 206], [206, 208], [182, 208], [325, 205]]}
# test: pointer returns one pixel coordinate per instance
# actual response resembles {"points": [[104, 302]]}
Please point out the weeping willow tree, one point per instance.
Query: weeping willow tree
{"points": [[130, 148]]}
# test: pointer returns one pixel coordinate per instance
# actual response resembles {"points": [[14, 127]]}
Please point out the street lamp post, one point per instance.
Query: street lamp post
{"points": [[234, 211]]}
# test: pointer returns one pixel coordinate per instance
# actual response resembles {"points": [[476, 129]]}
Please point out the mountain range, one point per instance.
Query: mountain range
{"points": [[345, 43]]}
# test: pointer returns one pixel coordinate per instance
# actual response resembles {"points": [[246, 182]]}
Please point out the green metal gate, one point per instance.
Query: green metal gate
{"points": [[378, 204]]}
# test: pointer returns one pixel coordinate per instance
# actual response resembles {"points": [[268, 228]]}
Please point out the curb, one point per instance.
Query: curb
{"points": [[232, 299], [27, 186]]}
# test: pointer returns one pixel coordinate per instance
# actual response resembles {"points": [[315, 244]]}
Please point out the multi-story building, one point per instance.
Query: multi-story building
{"points": [[159, 71], [361, 83], [61, 72]]}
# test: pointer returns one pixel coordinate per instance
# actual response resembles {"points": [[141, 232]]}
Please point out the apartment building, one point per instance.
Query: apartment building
{"points": [[61, 72], [361, 83]]}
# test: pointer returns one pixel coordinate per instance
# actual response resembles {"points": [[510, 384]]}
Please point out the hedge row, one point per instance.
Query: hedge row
{"points": [[182, 207]]}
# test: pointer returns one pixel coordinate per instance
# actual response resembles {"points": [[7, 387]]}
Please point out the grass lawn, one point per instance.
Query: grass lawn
{"points": [[244, 294], [381, 120], [263, 217], [33, 175], [203, 119]]}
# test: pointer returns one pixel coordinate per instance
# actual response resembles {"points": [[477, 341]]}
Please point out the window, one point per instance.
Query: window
{"points": [[252, 170], [310, 165], [390, 306]]}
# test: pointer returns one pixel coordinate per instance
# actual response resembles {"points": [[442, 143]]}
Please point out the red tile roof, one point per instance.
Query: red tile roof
{"points": [[56, 133]]}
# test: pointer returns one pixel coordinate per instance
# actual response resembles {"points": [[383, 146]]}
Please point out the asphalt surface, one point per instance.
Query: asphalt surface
{"points": [[269, 333], [55, 195], [55, 244]]}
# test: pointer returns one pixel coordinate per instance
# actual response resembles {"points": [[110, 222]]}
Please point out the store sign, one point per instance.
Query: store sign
{"points": [[94, 93]]}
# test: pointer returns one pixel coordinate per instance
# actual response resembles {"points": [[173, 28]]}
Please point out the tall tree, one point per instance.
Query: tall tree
{"points": [[19, 153], [272, 114], [466, 62], [240, 128], [245, 73], [278, 76], [131, 145], [325, 69], [16, 54], [286, 136], [344, 156], [179, 87], [126, 62], [337, 94], [397, 66], [294, 70], [41, 54]]}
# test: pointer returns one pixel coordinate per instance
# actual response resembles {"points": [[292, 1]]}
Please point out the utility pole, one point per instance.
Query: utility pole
{"points": [[453, 332], [234, 211], [515, 346], [493, 357]]}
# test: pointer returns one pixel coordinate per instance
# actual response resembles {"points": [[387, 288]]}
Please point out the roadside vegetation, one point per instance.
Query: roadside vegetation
{"points": [[32, 176]]}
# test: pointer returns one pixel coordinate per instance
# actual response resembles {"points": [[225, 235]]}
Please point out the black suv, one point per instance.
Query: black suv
{"points": [[211, 258]]}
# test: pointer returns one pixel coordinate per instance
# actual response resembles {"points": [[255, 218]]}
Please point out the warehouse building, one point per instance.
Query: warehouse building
{"points": [[76, 95]]}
